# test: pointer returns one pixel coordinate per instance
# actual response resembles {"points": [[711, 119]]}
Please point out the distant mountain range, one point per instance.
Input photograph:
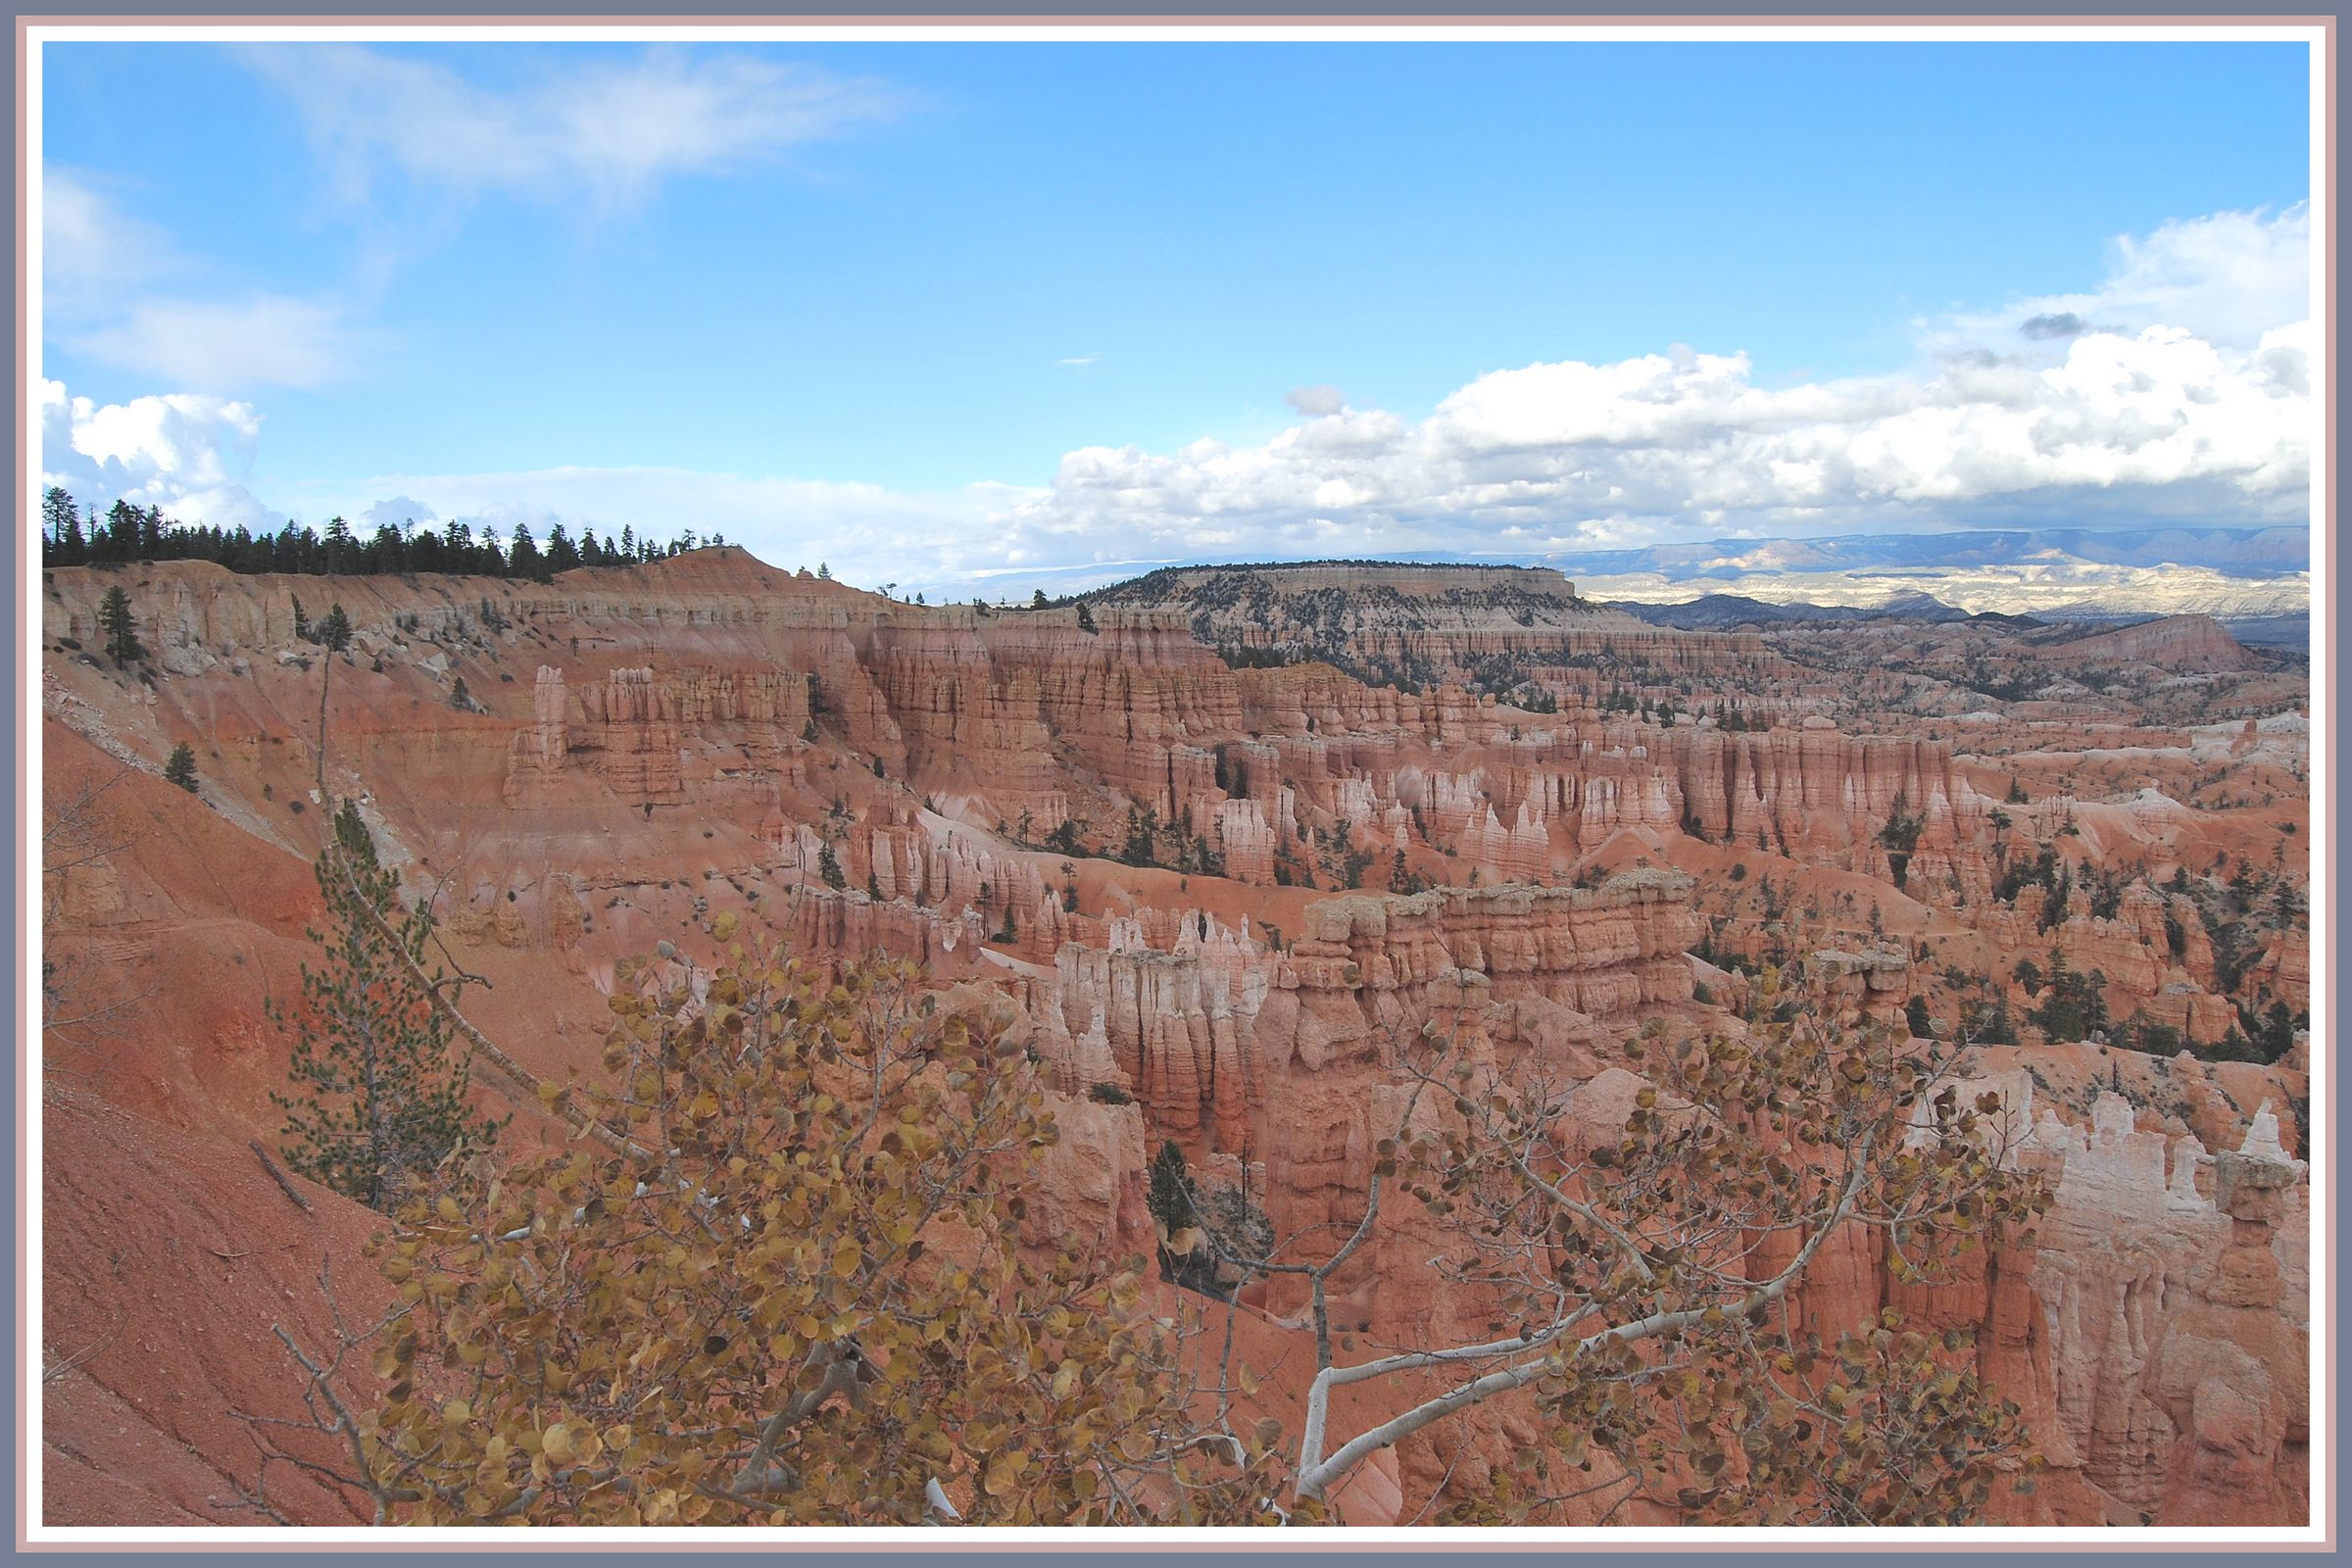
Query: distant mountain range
{"points": [[2248, 553], [1712, 612], [2258, 579], [1724, 611]]}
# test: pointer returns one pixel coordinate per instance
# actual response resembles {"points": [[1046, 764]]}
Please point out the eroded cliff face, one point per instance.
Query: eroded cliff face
{"points": [[1225, 901], [2174, 1284]]}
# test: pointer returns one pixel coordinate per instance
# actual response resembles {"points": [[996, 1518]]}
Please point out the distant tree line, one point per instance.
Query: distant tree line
{"points": [[74, 537]]}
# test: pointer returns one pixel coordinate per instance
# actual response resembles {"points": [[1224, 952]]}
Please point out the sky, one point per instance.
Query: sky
{"points": [[966, 314]]}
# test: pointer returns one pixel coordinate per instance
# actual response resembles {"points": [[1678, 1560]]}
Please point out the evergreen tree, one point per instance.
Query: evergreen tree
{"points": [[1170, 1201], [561, 553], [1917, 1019], [1086, 617], [828, 867], [377, 1098], [522, 555], [61, 526], [1037, 599], [181, 768], [334, 635], [115, 619]]}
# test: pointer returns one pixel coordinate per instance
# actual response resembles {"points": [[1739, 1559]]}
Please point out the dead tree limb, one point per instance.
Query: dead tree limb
{"points": [[279, 1176]]}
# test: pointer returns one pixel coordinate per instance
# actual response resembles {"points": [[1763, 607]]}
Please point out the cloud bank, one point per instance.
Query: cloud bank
{"points": [[2181, 387]]}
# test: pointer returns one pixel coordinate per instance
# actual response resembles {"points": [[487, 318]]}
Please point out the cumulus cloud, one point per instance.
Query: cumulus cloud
{"points": [[1573, 455], [605, 129], [187, 453], [396, 511], [2180, 386], [2129, 417], [2228, 277]]}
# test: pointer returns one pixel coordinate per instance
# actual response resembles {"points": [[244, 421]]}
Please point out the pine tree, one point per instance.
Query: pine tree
{"points": [[561, 553], [1174, 1205], [523, 556], [334, 635], [181, 768], [1086, 617], [828, 867], [377, 1097], [61, 522], [122, 633]]}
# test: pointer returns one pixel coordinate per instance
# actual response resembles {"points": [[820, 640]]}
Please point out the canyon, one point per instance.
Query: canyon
{"points": [[1226, 841]]}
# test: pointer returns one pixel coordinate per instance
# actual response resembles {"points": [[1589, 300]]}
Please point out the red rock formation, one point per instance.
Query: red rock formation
{"points": [[697, 735]]}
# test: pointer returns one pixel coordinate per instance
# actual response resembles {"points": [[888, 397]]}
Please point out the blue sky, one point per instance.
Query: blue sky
{"points": [[906, 290]]}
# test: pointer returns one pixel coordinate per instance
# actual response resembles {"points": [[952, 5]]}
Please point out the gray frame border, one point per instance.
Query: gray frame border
{"points": [[23, 791]]}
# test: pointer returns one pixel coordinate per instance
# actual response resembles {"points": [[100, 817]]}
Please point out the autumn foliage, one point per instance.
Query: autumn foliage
{"points": [[790, 1291]]}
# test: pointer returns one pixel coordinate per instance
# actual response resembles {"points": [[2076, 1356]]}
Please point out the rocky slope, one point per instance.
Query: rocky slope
{"points": [[1221, 893]]}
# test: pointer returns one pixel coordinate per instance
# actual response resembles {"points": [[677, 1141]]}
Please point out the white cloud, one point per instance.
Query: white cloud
{"points": [[865, 532], [186, 452], [2181, 386], [2109, 416], [265, 341], [1080, 361], [398, 512], [91, 250], [609, 130], [101, 267], [2228, 278]]}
